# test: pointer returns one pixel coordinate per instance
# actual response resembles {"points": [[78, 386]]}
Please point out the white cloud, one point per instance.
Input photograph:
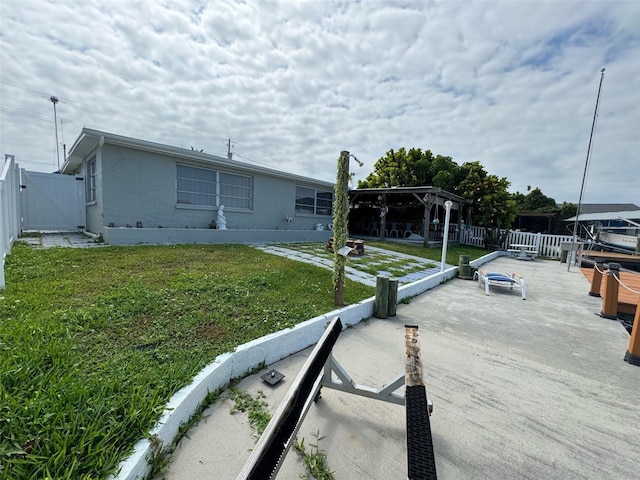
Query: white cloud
{"points": [[510, 84]]}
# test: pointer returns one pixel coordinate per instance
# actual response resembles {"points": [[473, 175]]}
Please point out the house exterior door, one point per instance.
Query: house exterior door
{"points": [[52, 201]]}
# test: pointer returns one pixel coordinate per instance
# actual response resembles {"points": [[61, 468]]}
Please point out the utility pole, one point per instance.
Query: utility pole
{"points": [[55, 100], [229, 152]]}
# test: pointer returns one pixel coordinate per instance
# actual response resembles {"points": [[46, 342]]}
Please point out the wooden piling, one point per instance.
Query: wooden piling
{"points": [[611, 287], [633, 352], [393, 297], [596, 280], [381, 302]]}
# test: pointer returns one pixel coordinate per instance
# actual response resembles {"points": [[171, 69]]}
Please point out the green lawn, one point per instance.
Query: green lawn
{"points": [[373, 262], [453, 251], [94, 342]]}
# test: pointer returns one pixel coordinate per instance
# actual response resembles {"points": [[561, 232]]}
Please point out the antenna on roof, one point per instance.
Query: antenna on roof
{"points": [[55, 100]]}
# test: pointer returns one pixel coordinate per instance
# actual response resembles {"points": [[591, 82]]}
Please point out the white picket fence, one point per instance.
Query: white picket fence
{"points": [[473, 236], [9, 209], [548, 246]]}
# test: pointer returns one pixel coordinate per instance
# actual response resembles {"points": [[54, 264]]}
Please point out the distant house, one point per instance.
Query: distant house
{"points": [[144, 192]]}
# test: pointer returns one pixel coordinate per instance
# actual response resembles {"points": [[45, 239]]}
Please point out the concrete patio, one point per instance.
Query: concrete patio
{"points": [[521, 389]]}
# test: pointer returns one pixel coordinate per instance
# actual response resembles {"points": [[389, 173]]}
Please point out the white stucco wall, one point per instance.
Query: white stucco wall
{"points": [[140, 186], [94, 209]]}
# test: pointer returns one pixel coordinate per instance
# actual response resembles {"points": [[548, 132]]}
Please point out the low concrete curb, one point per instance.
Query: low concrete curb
{"points": [[268, 349]]}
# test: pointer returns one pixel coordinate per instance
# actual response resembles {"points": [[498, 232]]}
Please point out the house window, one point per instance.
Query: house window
{"points": [[208, 188], [314, 202], [197, 186], [235, 191], [91, 179]]}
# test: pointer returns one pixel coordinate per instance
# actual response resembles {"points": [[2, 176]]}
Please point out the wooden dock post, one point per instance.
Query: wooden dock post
{"points": [[393, 297], [381, 301], [633, 352], [596, 280], [611, 287]]}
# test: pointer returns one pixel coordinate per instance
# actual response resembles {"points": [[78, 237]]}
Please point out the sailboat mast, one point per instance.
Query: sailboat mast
{"points": [[584, 175]]}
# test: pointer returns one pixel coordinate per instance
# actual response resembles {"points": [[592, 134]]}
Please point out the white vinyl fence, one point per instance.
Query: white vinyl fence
{"points": [[548, 246], [9, 209], [473, 236]]}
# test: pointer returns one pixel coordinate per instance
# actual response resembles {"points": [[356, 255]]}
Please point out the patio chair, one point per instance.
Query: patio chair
{"points": [[374, 232], [408, 230], [394, 229], [498, 279]]}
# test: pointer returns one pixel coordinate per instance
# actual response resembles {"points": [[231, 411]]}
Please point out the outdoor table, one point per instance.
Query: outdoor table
{"points": [[525, 252]]}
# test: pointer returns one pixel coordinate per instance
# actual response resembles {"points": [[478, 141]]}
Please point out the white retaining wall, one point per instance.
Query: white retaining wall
{"points": [[176, 236]]}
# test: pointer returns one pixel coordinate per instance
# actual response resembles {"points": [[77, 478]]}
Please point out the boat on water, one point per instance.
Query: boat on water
{"points": [[623, 241], [612, 230]]}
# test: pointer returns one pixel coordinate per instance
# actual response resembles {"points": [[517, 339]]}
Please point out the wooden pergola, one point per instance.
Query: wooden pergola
{"points": [[431, 200]]}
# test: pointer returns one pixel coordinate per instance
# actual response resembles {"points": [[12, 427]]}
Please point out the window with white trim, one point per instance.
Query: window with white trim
{"points": [[236, 191], [314, 202], [204, 187], [91, 179]]}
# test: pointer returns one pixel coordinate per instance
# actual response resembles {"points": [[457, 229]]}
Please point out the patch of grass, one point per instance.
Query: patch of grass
{"points": [[372, 262], [453, 252], [31, 234], [160, 457], [94, 342], [314, 459], [254, 407]]}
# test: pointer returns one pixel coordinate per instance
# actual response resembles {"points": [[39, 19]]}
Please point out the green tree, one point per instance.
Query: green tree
{"points": [[411, 168], [491, 203], [534, 201], [566, 210]]}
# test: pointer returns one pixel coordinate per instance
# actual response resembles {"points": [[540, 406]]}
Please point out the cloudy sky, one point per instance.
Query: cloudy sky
{"points": [[512, 84]]}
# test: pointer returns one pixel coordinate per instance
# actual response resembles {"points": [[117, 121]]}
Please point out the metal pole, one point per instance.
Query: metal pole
{"points": [[445, 238], [54, 100], [584, 175]]}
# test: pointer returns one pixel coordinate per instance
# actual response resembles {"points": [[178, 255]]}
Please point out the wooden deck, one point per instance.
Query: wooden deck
{"points": [[627, 298], [613, 257]]}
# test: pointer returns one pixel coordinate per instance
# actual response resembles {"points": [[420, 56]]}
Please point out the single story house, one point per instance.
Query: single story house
{"points": [[144, 192]]}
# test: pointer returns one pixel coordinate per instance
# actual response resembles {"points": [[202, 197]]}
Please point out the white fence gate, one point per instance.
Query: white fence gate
{"points": [[51, 201]]}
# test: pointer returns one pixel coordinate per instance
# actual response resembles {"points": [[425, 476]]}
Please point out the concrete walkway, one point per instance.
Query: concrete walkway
{"points": [[521, 390], [61, 239], [425, 266]]}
